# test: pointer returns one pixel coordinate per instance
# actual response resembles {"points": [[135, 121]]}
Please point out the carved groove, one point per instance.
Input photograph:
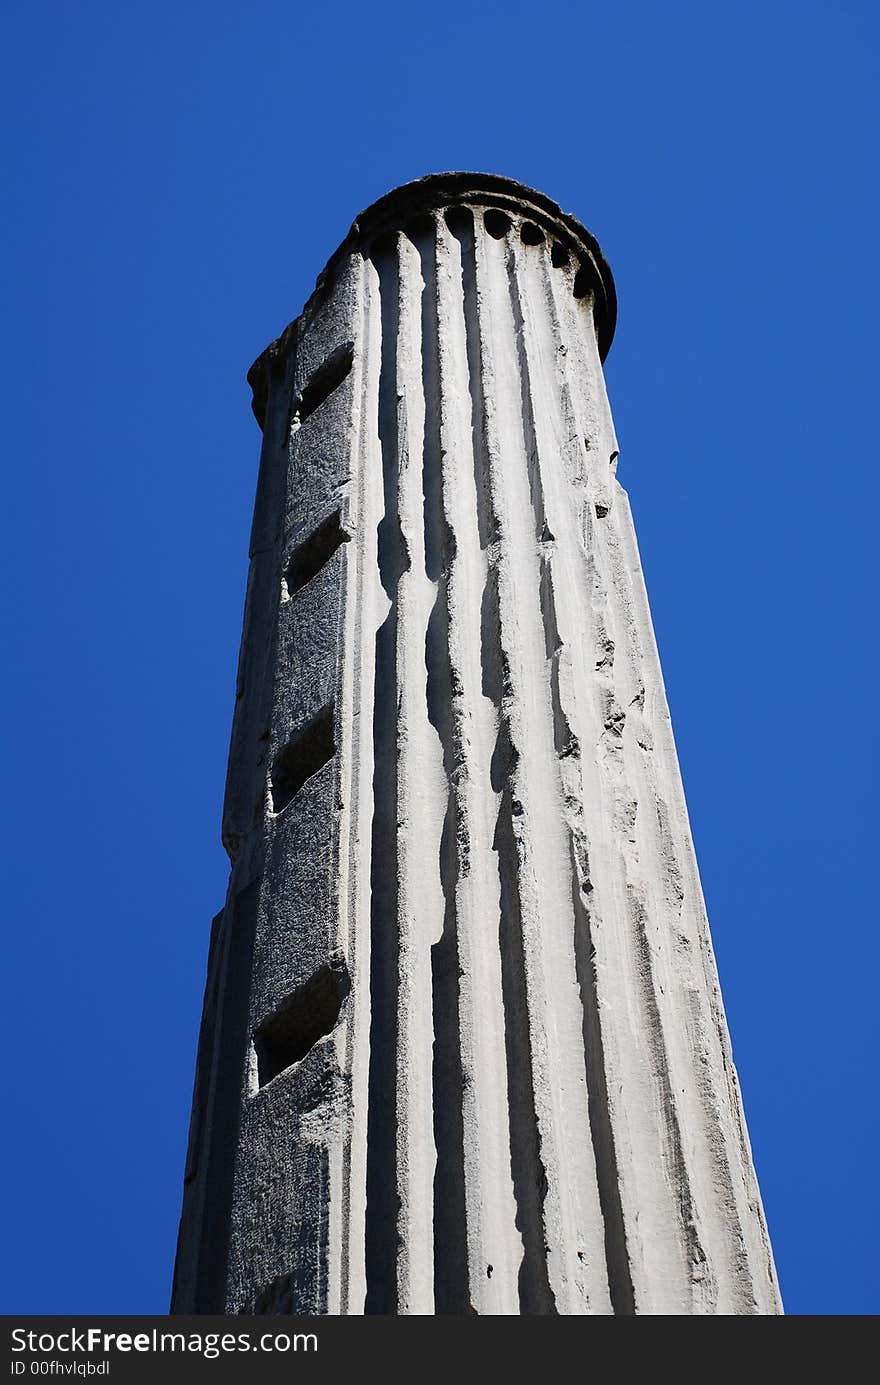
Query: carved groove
{"points": [[314, 552], [449, 1219], [328, 377], [382, 1200], [305, 1017], [302, 757]]}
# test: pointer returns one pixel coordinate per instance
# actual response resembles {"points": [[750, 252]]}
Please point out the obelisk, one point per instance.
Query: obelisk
{"points": [[463, 1048]]}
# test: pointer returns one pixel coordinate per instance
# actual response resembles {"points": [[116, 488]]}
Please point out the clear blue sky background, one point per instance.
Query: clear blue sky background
{"points": [[175, 177]]}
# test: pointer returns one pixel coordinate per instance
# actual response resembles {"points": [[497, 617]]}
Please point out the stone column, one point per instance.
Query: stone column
{"points": [[463, 1048]]}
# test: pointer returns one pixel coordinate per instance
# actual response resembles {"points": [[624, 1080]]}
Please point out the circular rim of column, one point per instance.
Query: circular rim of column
{"points": [[396, 209]]}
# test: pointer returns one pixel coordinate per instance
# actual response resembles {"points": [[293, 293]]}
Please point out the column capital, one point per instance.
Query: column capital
{"points": [[531, 212]]}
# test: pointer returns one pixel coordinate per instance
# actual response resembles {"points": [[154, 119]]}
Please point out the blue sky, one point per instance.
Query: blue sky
{"points": [[176, 176]]}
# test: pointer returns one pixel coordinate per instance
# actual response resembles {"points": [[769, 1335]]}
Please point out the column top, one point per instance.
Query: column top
{"points": [[397, 209]]}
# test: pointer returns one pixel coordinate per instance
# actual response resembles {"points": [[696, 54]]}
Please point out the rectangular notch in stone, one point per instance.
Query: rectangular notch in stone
{"points": [[312, 554], [303, 755], [328, 377], [302, 1020]]}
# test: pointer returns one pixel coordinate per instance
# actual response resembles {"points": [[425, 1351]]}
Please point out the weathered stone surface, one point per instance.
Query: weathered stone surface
{"points": [[463, 1048]]}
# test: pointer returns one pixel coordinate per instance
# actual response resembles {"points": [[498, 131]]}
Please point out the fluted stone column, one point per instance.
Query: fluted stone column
{"points": [[463, 1048]]}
